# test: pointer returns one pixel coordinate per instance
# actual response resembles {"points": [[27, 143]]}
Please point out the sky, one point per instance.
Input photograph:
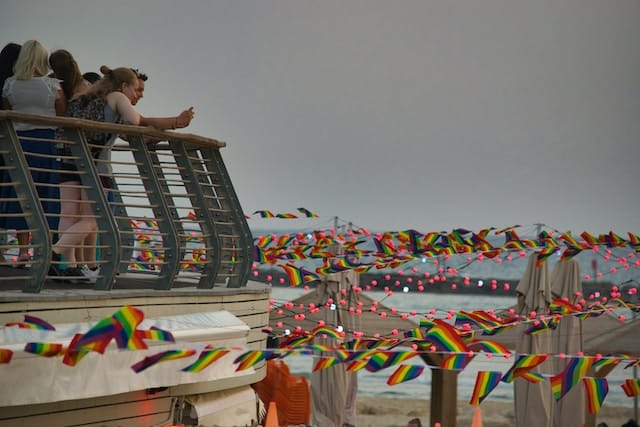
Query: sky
{"points": [[426, 114]]}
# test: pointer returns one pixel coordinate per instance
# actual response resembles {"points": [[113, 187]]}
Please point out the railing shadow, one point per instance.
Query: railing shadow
{"points": [[170, 217]]}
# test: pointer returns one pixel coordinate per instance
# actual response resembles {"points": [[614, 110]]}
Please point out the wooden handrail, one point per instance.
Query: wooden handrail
{"points": [[37, 119]]}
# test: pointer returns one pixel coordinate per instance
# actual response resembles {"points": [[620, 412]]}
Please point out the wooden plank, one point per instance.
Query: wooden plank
{"points": [[80, 413]]}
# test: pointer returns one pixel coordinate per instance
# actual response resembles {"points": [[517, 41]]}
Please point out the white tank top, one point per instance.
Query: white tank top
{"points": [[36, 96]]}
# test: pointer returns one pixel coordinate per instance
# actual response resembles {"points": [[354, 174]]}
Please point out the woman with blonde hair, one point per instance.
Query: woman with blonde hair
{"points": [[30, 90]]}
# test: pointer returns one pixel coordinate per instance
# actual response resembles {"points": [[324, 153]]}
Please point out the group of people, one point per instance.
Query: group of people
{"points": [[32, 81]]}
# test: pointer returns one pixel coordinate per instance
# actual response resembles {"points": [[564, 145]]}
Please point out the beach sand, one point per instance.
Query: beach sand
{"points": [[382, 412]]}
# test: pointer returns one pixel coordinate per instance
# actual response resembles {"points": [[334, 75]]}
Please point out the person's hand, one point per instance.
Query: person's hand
{"points": [[184, 119]]}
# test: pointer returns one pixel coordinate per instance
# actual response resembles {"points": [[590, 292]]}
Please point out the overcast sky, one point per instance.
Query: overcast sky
{"points": [[391, 114]]}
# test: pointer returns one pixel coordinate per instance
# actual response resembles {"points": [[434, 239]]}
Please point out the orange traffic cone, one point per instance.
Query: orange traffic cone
{"points": [[476, 421], [271, 420]]}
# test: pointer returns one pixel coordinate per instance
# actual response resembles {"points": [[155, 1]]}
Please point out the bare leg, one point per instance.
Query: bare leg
{"points": [[75, 222], [91, 239]]}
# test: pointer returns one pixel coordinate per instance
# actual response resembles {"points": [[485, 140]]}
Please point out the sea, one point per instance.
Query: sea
{"points": [[374, 384]]}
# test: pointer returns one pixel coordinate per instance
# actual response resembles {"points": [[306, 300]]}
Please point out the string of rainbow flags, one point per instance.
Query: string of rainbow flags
{"points": [[457, 346], [393, 249]]}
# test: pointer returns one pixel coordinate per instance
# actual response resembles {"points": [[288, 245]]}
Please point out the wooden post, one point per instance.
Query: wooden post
{"points": [[444, 397], [444, 392]]}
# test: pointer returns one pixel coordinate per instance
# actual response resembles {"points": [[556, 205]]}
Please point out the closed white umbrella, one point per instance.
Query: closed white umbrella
{"points": [[333, 389], [533, 402], [570, 411]]}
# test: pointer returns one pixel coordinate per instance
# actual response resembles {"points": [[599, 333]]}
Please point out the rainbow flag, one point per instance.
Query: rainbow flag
{"points": [[307, 213], [155, 334], [293, 341], [206, 358], [32, 322], [523, 365], [457, 362], [631, 387], [445, 338], [539, 326], [488, 346], [479, 318], [294, 275], [325, 362], [634, 241], [383, 359], [72, 357], [360, 355], [356, 365], [44, 349], [561, 306], [121, 327], [575, 370], [287, 215], [405, 373], [265, 214], [163, 356], [250, 358], [605, 361], [486, 381], [596, 390], [128, 318], [543, 255], [326, 331]]}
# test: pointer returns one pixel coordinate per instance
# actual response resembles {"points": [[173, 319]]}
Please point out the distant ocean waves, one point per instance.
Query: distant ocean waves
{"points": [[375, 383]]}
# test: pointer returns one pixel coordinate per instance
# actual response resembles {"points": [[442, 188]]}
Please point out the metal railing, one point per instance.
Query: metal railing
{"points": [[170, 216]]}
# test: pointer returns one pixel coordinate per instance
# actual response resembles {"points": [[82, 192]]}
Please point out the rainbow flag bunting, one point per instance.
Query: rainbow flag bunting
{"points": [[575, 370], [486, 381], [405, 373], [163, 356], [631, 387], [596, 390], [44, 349], [206, 358], [523, 365]]}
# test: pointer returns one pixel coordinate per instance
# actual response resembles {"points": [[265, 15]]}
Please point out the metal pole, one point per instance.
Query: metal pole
{"points": [[635, 371]]}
